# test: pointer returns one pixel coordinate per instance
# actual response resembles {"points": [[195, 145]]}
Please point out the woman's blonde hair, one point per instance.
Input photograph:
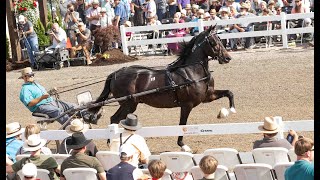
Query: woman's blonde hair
{"points": [[208, 164], [31, 129]]}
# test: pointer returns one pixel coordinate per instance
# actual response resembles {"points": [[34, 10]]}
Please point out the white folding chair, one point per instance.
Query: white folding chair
{"points": [[80, 173], [280, 168], [270, 155], [178, 161], [228, 157], [292, 155], [256, 171], [42, 174], [197, 157], [221, 173], [167, 174], [60, 157], [20, 156], [108, 159], [156, 157]]}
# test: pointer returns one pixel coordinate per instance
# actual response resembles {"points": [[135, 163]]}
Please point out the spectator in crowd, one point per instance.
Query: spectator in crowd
{"points": [[131, 125], [63, 8], [188, 11], [84, 42], [230, 3], [278, 3], [81, 10], [233, 12], [224, 14], [34, 144], [215, 5], [29, 130], [29, 171], [120, 13], [266, 25], [77, 125], [37, 100], [13, 139], [251, 10], [109, 11], [195, 30], [184, 16], [305, 3], [208, 165], [137, 10], [182, 4], [78, 158], [87, 5], [71, 20], [213, 15], [255, 5], [126, 169], [157, 169], [93, 16], [204, 4], [161, 9], [299, 8], [262, 6], [194, 10], [271, 6], [31, 38], [103, 18], [303, 168], [173, 7], [58, 38], [270, 129], [207, 18], [150, 9]]}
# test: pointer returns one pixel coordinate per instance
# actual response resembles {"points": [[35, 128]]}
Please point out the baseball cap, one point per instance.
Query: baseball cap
{"points": [[126, 150]]}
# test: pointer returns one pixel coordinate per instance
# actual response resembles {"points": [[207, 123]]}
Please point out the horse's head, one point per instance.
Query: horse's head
{"points": [[213, 46]]}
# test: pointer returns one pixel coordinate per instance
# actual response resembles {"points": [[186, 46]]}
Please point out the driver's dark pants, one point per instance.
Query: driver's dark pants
{"points": [[54, 109]]}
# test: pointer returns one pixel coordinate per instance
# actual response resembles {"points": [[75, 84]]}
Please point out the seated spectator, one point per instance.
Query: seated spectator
{"points": [[188, 11], [206, 18], [13, 139], [271, 6], [278, 3], [224, 14], [208, 165], [58, 38], [184, 16], [233, 12], [231, 3], [29, 130], [152, 21], [251, 10], [71, 21], [29, 171], [270, 129], [78, 159], [77, 125], [255, 5], [34, 144], [215, 4], [195, 30], [126, 169], [266, 25], [156, 169], [213, 15], [131, 125], [84, 42], [262, 6], [194, 10], [303, 168], [249, 41]]}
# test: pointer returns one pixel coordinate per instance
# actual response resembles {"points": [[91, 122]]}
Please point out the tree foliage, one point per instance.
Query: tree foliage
{"points": [[43, 40]]}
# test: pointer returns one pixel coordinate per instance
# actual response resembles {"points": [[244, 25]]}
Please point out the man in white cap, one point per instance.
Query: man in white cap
{"points": [[13, 139], [93, 15], [125, 170], [131, 125], [31, 38], [37, 100], [34, 144], [58, 38], [270, 129], [29, 171]]}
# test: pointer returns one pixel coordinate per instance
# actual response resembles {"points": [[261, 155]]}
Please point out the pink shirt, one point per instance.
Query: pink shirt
{"points": [[303, 10]]}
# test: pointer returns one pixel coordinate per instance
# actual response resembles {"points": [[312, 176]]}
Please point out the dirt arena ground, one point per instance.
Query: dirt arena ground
{"points": [[266, 82]]}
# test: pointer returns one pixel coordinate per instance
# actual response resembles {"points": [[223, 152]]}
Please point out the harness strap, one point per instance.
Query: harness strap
{"points": [[125, 140]]}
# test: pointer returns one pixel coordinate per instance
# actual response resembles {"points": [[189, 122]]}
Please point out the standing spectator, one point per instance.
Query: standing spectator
{"points": [[182, 4], [157, 169], [31, 38], [150, 9], [215, 5], [173, 7], [120, 13], [79, 159], [303, 168], [71, 20], [161, 9], [81, 10], [126, 169], [58, 38], [109, 12], [103, 18], [131, 125], [34, 144], [208, 165], [77, 125], [93, 16], [29, 171], [270, 129], [84, 42], [36, 99], [137, 10], [13, 139]]}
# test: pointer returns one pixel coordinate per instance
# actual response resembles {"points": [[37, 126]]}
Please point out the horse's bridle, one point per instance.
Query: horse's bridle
{"points": [[206, 39]]}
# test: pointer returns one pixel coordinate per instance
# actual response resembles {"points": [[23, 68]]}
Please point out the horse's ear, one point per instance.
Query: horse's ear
{"points": [[212, 29]]}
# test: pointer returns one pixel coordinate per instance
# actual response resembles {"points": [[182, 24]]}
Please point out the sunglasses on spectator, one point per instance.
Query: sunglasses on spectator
{"points": [[28, 177], [32, 75]]}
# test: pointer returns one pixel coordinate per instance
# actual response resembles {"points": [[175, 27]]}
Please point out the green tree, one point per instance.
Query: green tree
{"points": [[43, 39]]}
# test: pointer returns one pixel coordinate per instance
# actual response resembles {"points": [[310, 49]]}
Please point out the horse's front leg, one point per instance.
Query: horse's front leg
{"points": [[217, 94], [184, 114]]}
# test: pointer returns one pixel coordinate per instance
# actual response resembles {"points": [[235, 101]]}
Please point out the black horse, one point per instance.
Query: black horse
{"points": [[188, 77]]}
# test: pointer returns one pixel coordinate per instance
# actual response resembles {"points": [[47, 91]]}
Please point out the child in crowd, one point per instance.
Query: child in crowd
{"points": [[103, 18], [157, 169], [208, 165]]}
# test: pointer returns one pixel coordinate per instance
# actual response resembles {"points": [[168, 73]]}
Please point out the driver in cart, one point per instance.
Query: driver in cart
{"points": [[37, 100]]}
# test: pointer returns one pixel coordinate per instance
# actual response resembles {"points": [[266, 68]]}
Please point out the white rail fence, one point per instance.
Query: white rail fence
{"points": [[284, 31], [113, 130]]}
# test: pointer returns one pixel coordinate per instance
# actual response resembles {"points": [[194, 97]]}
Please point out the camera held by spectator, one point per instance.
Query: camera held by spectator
{"points": [[48, 32], [77, 31]]}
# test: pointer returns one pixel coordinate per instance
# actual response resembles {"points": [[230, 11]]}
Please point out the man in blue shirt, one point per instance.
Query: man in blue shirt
{"points": [[36, 99], [121, 15], [303, 168], [13, 139]]}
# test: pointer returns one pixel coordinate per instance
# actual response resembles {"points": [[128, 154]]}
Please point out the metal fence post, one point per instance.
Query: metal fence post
{"points": [[200, 25], [124, 40], [284, 30]]}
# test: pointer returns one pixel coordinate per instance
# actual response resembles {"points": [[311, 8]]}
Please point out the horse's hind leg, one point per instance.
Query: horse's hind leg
{"points": [[125, 108], [217, 94]]}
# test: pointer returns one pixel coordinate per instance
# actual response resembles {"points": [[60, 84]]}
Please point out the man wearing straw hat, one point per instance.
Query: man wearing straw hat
{"points": [[129, 136], [270, 129], [13, 139], [79, 159], [36, 99], [34, 144], [77, 125]]}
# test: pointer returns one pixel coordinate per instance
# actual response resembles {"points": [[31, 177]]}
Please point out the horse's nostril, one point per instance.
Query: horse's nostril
{"points": [[228, 58]]}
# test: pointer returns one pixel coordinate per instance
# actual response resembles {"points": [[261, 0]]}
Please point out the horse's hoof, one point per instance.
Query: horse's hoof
{"points": [[233, 110], [186, 148], [223, 113]]}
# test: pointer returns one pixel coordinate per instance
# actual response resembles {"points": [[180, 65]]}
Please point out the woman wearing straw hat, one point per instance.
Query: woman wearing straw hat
{"points": [[77, 125], [34, 144], [13, 139]]}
